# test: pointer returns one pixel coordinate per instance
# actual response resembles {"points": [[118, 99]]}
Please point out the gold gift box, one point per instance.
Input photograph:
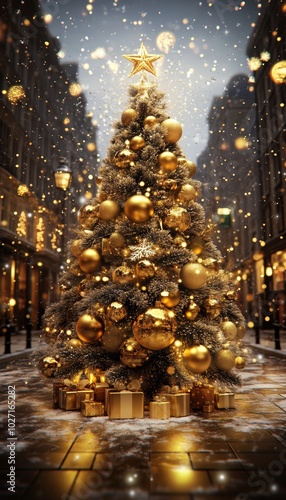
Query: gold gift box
{"points": [[208, 408], [125, 404], [90, 408], [160, 410], [70, 399], [99, 391], [179, 403], [56, 388], [200, 395], [225, 400]]}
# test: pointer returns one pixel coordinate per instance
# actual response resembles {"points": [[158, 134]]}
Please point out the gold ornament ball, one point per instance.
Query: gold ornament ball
{"points": [[170, 184], [225, 359], [76, 247], [229, 329], [87, 216], [212, 308], [117, 240], [180, 241], [187, 193], [89, 260], [123, 275], [138, 208], [193, 276], [172, 130], [116, 312], [108, 210], [89, 328], [47, 366], [129, 115], [240, 362], [177, 218], [132, 354], [113, 337], [196, 245], [150, 121], [192, 311], [137, 143], [155, 328], [168, 161], [144, 269], [124, 158], [170, 299], [74, 343], [188, 164], [197, 359], [241, 331]]}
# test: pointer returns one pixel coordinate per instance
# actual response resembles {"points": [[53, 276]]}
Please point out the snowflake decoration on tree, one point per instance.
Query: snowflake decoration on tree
{"points": [[142, 251]]}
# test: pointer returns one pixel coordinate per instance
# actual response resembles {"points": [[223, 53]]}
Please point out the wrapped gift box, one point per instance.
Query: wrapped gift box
{"points": [[160, 410], [200, 395], [224, 400], [125, 404], [99, 391], [179, 404], [91, 408], [208, 408], [70, 398], [56, 388]]}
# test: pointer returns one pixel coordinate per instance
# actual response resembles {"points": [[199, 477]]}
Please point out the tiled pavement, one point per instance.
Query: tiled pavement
{"points": [[228, 455]]}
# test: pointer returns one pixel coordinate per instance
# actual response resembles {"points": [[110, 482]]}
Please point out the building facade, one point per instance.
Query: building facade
{"points": [[267, 59], [43, 119]]}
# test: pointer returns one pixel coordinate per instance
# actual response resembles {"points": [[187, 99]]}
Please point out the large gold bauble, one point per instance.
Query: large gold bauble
{"points": [[88, 216], [225, 359], [193, 276], [47, 366], [197, 359], [229, 329], [187, 193], [116, 312], [177, 218], [240, 362], [192, 311], [113, 337], [76, 247], [132, 354], [172, 130], [278, 72], [212, 307], [144, 269], [241, 331], [137, 143], [108, 210], [155, 328], [139, 208], [189, 164], [168, 161], [170, 299], [123, 275], [89, 328], [129, 115], [89, 260], [150, 121], [124, 158]]}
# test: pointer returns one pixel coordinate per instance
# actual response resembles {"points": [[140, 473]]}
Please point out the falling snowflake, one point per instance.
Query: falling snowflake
{"points": [[143, 250]]}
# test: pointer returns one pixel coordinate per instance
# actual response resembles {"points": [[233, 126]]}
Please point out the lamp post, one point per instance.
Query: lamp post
{"points": [[63, 179]]}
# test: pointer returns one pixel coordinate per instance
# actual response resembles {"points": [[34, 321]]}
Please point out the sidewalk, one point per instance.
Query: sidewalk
{"points": [[18, 345]]}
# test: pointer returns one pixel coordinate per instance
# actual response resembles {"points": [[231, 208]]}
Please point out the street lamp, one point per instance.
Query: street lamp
{"points": [[63, 175], [63, 179]]}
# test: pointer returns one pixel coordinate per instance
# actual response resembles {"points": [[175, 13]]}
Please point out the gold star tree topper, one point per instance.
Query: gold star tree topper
{"points": [[142, 61]]}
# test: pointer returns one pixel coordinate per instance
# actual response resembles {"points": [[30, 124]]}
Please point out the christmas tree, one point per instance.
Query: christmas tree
{"points": [[145, 296]]}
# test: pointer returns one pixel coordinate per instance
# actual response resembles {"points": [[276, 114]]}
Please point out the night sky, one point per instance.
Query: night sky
{"points": [[203, 44]]}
